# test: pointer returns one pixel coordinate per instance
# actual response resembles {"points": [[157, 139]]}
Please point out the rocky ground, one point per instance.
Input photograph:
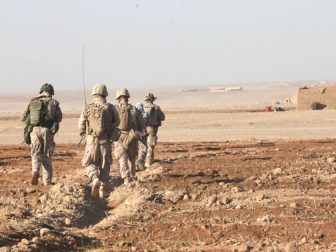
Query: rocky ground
{"points": [[225, 196]]}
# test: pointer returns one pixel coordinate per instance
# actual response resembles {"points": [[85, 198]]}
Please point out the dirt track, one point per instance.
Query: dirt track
{"points": [[198, 196]]}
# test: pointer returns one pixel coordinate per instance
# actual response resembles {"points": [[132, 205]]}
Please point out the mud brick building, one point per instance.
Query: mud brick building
{"points": [[325, 96]]}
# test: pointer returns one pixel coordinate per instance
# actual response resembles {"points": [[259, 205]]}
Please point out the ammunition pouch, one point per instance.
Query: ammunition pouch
{"points": [[130, 138]]}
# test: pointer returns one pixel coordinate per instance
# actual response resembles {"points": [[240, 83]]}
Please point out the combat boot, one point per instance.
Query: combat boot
{"points": [[35, 178], [95, 188], [102, 191]]}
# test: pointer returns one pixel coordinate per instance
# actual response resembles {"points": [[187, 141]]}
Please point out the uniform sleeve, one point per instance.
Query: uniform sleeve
{"points": [[82, 123], [114, 131], [115, 118], [25, 114], [161, 115], [58, 114]]}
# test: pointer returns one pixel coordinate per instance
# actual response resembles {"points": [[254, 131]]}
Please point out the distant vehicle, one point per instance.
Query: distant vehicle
{"points": [[225, 89]]}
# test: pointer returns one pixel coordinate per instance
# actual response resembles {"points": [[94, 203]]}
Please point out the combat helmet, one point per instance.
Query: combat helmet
{"points": [[150, 97], [122, 92], [99, 89], [46, 87]]}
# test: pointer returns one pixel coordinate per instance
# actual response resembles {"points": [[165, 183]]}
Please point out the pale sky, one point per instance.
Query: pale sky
{"points": [[146, 43]]}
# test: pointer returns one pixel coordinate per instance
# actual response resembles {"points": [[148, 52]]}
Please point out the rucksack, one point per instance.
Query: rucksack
{"points": [[125, 116], [96, 118], [38, 112]]}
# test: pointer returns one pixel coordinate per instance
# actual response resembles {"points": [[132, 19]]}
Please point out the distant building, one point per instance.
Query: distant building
{"points": [[317, 97], [225, 89]]}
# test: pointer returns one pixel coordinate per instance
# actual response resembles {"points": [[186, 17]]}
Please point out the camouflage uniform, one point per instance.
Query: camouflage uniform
{"points": [[42, 135], [153, 122], [142, 147], [131, 122], [98, 123]]}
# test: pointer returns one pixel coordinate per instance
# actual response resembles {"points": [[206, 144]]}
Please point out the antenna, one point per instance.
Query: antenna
{"points": [[83, 71]]}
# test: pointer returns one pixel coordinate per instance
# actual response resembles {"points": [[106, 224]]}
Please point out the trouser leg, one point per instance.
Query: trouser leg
{"points": [[106, 161], [132, 154], [141, 156], [121, 154], [36, 163], [47, 169]]}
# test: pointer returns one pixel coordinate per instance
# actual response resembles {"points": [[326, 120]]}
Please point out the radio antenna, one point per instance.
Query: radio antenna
{"points": [[83, 71]]}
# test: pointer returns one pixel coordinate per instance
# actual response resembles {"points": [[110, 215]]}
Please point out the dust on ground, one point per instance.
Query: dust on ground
{"points": [[234, 195]]}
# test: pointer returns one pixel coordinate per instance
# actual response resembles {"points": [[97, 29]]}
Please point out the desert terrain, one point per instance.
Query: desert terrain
{"points": [[227, 177]]}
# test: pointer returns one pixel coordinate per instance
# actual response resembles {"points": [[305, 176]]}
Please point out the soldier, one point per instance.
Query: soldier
{"points": [[97, 124], [142, 146], [131, 128], [42, 118], [153, 122]]}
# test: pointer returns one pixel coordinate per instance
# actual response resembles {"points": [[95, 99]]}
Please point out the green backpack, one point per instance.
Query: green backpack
{"points": [[38, 113]]}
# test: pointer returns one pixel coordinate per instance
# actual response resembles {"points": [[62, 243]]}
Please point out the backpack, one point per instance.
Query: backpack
{"points": [[96, 118], [38, 112], [125, 116], [153, 119]]}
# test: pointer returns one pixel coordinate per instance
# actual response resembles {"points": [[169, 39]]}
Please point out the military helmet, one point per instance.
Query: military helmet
{"points": [[150, 96], [99, 89], [122, 92], [47, 88]]}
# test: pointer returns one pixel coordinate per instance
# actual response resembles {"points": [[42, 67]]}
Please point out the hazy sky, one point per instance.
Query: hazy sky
{"points": [[135, 43]]}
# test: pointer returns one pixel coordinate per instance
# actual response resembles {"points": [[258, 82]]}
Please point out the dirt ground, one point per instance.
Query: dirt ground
{"points": [[225, 196]]}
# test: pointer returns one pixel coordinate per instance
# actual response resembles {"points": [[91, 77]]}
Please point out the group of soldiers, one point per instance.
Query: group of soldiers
{"points": [[132, 129]]}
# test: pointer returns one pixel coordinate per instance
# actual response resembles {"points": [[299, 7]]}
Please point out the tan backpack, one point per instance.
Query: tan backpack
{"points": [[125, 116], [95, 114]]}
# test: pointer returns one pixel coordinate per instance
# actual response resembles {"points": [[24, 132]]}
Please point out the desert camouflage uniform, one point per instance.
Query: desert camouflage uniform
{"points": [[42, 139], [127, 154], [153, 123], [97, 157]]}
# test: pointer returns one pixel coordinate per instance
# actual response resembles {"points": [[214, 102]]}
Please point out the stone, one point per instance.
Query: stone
{"points": [[293, 205], [67, 221], [134, 248], [25, 241], [239, 206], [36, 239], [185, 197], [303, 240], [331, 160], [235, 189], [30, 190], [44, 231], [277, 171]]}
